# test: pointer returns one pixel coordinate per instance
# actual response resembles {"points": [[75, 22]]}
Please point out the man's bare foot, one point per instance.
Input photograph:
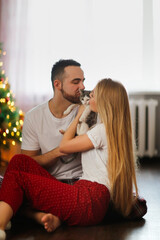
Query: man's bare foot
{"points": [[50, 222]]}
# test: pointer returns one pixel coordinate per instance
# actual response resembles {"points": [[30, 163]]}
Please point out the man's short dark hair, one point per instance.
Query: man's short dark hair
{"points": [[58, 68]]}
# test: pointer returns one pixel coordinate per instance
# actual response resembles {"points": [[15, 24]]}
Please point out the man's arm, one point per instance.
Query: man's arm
{"points": [[45, 160]]}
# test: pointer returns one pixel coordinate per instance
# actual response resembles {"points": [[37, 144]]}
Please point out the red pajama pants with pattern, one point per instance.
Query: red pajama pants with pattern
{"points": [[84, 203]]}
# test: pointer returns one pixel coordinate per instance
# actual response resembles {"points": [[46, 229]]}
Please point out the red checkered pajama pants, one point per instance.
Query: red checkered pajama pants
{"points": [[84, 203]]}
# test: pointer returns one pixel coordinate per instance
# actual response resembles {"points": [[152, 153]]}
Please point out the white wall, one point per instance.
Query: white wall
{"points": [[117, 39]]}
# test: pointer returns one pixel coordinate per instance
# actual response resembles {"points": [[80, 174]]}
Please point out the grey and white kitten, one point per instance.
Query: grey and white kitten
{"points": [[88, 118]]}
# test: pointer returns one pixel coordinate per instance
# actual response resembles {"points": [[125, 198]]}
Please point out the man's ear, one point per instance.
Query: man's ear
{"points": [[57, 84]]}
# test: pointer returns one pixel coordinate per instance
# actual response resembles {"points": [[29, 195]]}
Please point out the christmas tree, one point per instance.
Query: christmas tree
{"points": [[11, 118]]}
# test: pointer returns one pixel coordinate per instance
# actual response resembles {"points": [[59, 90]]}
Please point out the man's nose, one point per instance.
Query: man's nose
{"points": [[82, 87]]}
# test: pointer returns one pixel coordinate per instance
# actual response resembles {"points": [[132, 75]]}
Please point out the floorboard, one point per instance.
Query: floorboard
{"points": [[147, 228]]}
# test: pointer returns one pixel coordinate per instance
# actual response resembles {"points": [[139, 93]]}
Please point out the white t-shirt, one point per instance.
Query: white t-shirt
{"points": [[41, 131], [94, 161]]}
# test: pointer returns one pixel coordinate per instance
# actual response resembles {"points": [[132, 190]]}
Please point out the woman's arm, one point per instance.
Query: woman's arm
{"points": [[70, 143]]}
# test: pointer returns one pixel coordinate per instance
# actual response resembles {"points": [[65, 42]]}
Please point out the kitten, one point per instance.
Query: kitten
{"points": [[87, 120], [88, 117]]}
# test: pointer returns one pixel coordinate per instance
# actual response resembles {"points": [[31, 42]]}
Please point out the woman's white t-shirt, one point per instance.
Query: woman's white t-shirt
{"points": [[94, 161]]}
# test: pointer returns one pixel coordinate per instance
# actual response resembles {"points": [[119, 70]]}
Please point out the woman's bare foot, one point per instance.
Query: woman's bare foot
{"points": [[50, 222]]}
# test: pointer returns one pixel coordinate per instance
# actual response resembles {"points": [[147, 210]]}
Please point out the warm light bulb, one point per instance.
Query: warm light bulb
{"points": [[12, 134], [6, 81], [15, 129], [7, 131], [13, 109], [3, 100], [4, 134], [2, 85], [13, 143], [21, 122], [18, 133]]}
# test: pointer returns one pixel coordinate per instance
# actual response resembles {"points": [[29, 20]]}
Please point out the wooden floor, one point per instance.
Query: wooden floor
{"points": [[147, 228]]}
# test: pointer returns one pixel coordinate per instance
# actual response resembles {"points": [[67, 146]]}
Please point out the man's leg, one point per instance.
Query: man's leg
{"points": [[43, 191], [6, 214]]}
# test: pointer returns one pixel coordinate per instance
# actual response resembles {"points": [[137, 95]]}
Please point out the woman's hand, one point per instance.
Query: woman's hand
{"points": [[70, 143], [80, 111]]}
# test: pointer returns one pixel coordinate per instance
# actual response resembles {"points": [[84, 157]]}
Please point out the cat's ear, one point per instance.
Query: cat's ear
{"points": [[86, 92], [81, 92], [57, 84]]}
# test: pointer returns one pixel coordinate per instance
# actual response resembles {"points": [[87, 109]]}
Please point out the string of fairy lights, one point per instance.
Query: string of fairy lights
{"points": [[11, 118]]}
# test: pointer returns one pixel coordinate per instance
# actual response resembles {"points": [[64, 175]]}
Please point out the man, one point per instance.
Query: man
{"points": [[41, 136], [41, 130]]}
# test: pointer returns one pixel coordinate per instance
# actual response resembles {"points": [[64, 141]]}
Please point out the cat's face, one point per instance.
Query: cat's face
{"points": [[84, 97]]}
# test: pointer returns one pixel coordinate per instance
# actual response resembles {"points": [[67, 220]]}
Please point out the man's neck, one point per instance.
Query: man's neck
{"points": [[57, 107]]}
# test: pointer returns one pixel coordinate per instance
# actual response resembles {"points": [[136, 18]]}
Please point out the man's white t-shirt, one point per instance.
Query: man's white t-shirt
{"points": [[41, 131], [94, 161]]}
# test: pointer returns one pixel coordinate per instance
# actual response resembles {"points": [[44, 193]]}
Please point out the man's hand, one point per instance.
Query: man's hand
{"points": [[62, 131]]}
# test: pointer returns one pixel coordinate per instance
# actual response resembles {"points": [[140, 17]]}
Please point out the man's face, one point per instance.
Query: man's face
{"points": [[73, 82]]}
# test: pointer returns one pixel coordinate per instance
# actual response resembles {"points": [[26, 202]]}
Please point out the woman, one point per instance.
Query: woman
{"points": [[108, 165]]}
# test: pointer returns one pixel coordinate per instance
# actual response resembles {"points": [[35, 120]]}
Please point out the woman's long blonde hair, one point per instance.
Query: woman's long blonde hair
{"points": [[113, 107]]}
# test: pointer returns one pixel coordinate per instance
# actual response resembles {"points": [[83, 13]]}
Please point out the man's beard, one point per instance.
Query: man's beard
{"points": [[70, 98]]}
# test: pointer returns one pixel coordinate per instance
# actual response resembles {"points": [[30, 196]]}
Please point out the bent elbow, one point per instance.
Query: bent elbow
{"points": [[62, 149]]}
